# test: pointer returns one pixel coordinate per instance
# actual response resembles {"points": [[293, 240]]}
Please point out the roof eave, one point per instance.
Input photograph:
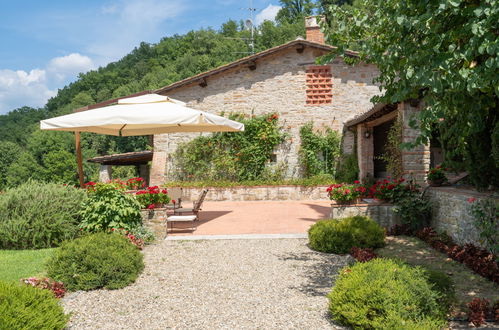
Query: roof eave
{"points": [[245, 60]]}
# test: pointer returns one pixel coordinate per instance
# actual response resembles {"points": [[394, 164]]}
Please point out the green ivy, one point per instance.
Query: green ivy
{"points": [[393, 153], [348, 168], [319, 151], [230, 156]]}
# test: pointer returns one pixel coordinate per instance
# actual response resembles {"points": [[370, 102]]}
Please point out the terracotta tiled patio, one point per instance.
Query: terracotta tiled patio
{"points": [[256, 217]]}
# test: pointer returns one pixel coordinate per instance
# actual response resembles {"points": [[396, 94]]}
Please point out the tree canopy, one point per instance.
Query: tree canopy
{"points": [[443, 52], [49, 156]]}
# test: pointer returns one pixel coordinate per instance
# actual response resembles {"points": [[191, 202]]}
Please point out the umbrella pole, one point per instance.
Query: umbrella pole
{"points": [[79, 159]]}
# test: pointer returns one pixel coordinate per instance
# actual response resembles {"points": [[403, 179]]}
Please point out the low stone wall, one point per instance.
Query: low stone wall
{"points": [[257, 193], [381, 213], [451, 212], [155, 221]]}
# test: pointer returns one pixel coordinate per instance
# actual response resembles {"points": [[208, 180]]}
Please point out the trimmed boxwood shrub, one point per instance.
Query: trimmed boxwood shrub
{"points": [[38, 215], [339, 236], [26, 307], [385, 294], [96, 261]]}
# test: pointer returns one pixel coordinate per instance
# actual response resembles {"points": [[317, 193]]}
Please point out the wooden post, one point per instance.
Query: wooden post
{"points": [[79, 159]]}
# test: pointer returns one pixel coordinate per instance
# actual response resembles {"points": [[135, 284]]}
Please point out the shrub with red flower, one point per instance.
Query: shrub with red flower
{"points": [[342, 192], [135, 183], [437, 174], [152, 197], [391, 190], [90, 186], [46, 283]]}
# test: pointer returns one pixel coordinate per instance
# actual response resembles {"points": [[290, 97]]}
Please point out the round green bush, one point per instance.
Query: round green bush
{"points": [[385, 294], [96, 261], [108, 206], [26, 307], [339, 236], [38, 215]]}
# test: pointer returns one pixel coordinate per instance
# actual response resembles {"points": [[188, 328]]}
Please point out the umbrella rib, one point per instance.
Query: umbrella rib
{"points": [[122, 128]]}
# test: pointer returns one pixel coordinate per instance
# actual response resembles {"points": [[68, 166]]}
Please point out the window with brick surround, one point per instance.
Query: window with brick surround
{"points": [[319, 85]]}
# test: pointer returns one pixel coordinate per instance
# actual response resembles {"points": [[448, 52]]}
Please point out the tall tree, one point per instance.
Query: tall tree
{"points": [[444, 52], [294, 10]]}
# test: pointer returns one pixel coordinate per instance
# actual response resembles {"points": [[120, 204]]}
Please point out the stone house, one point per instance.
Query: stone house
{"points": [[285, 80]]}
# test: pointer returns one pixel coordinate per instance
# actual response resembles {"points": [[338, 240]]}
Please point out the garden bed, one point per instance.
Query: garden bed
{"points": [[468, 285]]}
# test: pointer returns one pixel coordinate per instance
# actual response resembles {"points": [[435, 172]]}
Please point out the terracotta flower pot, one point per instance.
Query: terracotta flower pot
{"points": [[435, 183]]}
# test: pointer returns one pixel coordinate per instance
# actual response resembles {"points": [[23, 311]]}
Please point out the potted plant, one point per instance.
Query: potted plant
{"points": [[152, 197], [436, 176], [343, 194]]}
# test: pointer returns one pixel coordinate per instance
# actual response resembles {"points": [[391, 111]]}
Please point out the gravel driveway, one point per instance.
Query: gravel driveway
{"points": [[217, 284]]}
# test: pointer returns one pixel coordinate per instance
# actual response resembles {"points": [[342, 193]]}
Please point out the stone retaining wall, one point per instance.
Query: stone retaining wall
{"points": [[451, 212], [257, 193], [155, 221], [381, 213]]}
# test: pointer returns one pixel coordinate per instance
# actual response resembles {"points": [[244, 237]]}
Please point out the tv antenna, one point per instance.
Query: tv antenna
{"points": [[249, 25]]}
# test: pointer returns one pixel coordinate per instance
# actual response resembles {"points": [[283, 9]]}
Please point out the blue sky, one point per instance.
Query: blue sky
{"points": [[45, 44]]}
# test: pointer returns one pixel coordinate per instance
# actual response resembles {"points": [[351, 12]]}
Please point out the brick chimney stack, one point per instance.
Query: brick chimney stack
{"points": [[313, 30]]}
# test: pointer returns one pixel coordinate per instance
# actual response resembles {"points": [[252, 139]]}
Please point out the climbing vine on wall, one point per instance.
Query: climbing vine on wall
{"points": [[319, 151], [230, 156], [393, 153]]}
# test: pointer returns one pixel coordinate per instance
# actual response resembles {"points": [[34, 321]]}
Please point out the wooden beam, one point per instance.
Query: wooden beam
{"points": [[252, 65], [79, 159], [203, 82], [383, 119]]}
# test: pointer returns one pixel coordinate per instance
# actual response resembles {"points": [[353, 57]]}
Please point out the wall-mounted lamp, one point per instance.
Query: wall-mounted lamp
{"points": [[367, 134]]}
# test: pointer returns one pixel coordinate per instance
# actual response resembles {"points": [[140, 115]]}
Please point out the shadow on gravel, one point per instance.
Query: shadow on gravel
{"points": [[318, 269]]}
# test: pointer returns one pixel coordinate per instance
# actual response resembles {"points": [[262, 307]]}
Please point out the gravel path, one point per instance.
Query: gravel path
{"points": [[218, 284]]}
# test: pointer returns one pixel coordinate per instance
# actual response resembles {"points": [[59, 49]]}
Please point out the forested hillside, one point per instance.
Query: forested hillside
{"points": [[27, 152]]}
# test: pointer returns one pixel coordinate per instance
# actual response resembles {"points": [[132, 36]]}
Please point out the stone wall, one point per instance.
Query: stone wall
{"points": [[278, 84], [155, 220], [382, 213], [416, 161], [258, 193], [451, 212]]}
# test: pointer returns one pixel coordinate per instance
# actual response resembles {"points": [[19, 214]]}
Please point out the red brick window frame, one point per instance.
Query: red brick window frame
{"points": [[319, 85]]}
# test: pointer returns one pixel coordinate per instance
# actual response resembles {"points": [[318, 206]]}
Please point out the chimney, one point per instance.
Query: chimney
{"points": [[314, 32]]}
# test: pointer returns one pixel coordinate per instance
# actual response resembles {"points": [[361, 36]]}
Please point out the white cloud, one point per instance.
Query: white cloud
{"points": [[105, 33], [20, 88], [69, 65], [267, 14]]}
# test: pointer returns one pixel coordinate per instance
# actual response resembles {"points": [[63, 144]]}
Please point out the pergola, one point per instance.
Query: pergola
{"points": [[140, 159]]}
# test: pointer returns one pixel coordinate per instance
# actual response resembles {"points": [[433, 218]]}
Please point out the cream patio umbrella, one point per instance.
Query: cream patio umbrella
{"points": [[141, 115]]}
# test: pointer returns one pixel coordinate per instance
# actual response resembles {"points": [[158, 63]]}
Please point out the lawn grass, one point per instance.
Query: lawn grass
{"points": [[467, 284], [17, 264]]}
